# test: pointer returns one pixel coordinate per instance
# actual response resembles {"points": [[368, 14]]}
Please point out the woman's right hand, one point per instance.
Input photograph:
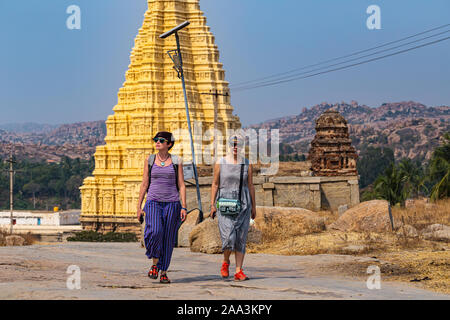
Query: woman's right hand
{"points": [[140, 213], [213, 212]]}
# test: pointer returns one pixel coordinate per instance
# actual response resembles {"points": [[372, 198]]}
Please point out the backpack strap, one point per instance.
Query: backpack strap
{"points": [[151, 161], [176, 165]]}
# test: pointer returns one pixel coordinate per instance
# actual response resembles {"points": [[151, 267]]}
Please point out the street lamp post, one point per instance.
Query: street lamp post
{"points": [[11, 191], [178, 61]]}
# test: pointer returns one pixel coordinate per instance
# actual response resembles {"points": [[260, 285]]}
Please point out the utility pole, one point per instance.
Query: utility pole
{"points": [[177, 59], [215, 96], [12, 172]]}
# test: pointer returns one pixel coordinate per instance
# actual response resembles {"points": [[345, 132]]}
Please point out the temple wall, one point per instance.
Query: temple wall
{"points": [[313, 193]]}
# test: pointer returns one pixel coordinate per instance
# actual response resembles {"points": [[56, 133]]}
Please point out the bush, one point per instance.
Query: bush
{"points": [[92, 236]]}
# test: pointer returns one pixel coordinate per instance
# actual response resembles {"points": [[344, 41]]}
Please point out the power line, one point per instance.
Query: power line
{"points": [[346, 61], [338, 58], [340, 68]]}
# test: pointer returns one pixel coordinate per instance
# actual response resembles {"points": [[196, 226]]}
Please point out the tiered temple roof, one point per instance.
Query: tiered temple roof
{"points": [[331, 152]]}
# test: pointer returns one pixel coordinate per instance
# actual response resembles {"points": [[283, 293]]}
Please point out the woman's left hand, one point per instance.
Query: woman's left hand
{"points": [[183, 214], [253, 213]]}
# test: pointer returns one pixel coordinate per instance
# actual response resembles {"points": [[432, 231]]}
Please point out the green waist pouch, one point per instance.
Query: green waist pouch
{"points": [[231, 206], [228, 206]]}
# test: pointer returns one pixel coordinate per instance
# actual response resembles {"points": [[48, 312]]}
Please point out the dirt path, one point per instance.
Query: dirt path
{"points": [[118, 271]]}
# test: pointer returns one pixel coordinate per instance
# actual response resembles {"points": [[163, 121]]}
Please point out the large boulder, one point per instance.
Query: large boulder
{"points": [[14, 240], [205, 237], [281, 222], [437, 232], [407, 231], [186, 229], [372, 216], [254, 235], [342, 209]]}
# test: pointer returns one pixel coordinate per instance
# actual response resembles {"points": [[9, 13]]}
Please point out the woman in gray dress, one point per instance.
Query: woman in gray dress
{"points": [[233, 228]]}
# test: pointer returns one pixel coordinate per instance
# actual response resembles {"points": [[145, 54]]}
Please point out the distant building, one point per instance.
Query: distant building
{"points": [[332, 153]]}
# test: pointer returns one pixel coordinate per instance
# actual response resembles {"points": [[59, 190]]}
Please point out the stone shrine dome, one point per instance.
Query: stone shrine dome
{"points": [[331, 152]]}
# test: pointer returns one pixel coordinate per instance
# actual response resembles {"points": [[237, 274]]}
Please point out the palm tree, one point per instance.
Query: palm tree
{"points": [[414, 177], [391, 185], [440, 170]]}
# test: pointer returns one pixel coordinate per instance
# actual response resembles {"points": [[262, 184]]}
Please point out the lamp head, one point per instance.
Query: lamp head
{"points": [[175, 30]]}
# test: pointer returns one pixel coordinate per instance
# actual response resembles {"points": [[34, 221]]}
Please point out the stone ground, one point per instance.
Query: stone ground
{"points": [[119, 271]]}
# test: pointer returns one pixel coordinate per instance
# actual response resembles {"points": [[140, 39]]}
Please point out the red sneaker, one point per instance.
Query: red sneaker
{"points": [[153, 272], [240, 276], [164, 278], [224, 270]]}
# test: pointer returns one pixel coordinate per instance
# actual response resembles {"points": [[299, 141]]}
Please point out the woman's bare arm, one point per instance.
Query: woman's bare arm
{"points": [[215, 187], [251, 188], [144, 187], [181, 184]]}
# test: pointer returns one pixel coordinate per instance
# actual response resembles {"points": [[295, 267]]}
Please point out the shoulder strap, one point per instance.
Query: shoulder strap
{"points": [[151, 161], [241, 180], [176, 163], [175, 166]]}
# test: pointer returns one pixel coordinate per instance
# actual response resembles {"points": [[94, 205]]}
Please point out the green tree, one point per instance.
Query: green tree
{"points": [[33, 188], [440, 170], [55, 180], [414, 177], [72, 186], [372, 163], [390, 185]]}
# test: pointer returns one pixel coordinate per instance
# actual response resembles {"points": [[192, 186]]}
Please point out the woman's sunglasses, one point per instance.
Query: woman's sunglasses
{"points": [[161, 140], [236, 143]]}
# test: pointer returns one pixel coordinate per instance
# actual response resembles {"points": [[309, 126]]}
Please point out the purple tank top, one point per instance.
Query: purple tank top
{"points": [[163, 187]]}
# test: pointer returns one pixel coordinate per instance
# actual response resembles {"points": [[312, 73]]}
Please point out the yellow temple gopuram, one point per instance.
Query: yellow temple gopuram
{"points": [[152, 100]]}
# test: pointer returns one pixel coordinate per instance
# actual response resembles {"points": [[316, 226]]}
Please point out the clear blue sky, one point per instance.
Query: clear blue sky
{"points": [[50, 74]]}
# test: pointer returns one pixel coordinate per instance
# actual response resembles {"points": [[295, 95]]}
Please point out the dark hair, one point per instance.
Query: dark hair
{"points": [[168, 136]]}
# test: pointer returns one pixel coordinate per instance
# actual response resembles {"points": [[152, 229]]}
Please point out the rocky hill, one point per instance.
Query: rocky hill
{"points": [[411, 129], [28, 127], [77, 140]]}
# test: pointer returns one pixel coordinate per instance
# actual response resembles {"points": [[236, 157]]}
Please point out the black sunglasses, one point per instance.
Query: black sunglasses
{"points": [[236, 143], [161, 140]]}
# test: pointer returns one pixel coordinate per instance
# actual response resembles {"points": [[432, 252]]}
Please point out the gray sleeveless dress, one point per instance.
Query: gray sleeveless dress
{"points": [[234, 229]]}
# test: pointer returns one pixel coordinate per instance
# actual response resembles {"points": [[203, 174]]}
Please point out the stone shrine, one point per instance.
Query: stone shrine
{"points": [[331, 153], [152, 100]]}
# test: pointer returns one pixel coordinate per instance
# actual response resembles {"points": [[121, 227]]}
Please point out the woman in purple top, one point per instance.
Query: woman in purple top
{"points": [[163, 209]]}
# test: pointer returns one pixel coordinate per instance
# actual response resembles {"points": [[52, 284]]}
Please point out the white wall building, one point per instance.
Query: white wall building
{"points": [[30, 218]]}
